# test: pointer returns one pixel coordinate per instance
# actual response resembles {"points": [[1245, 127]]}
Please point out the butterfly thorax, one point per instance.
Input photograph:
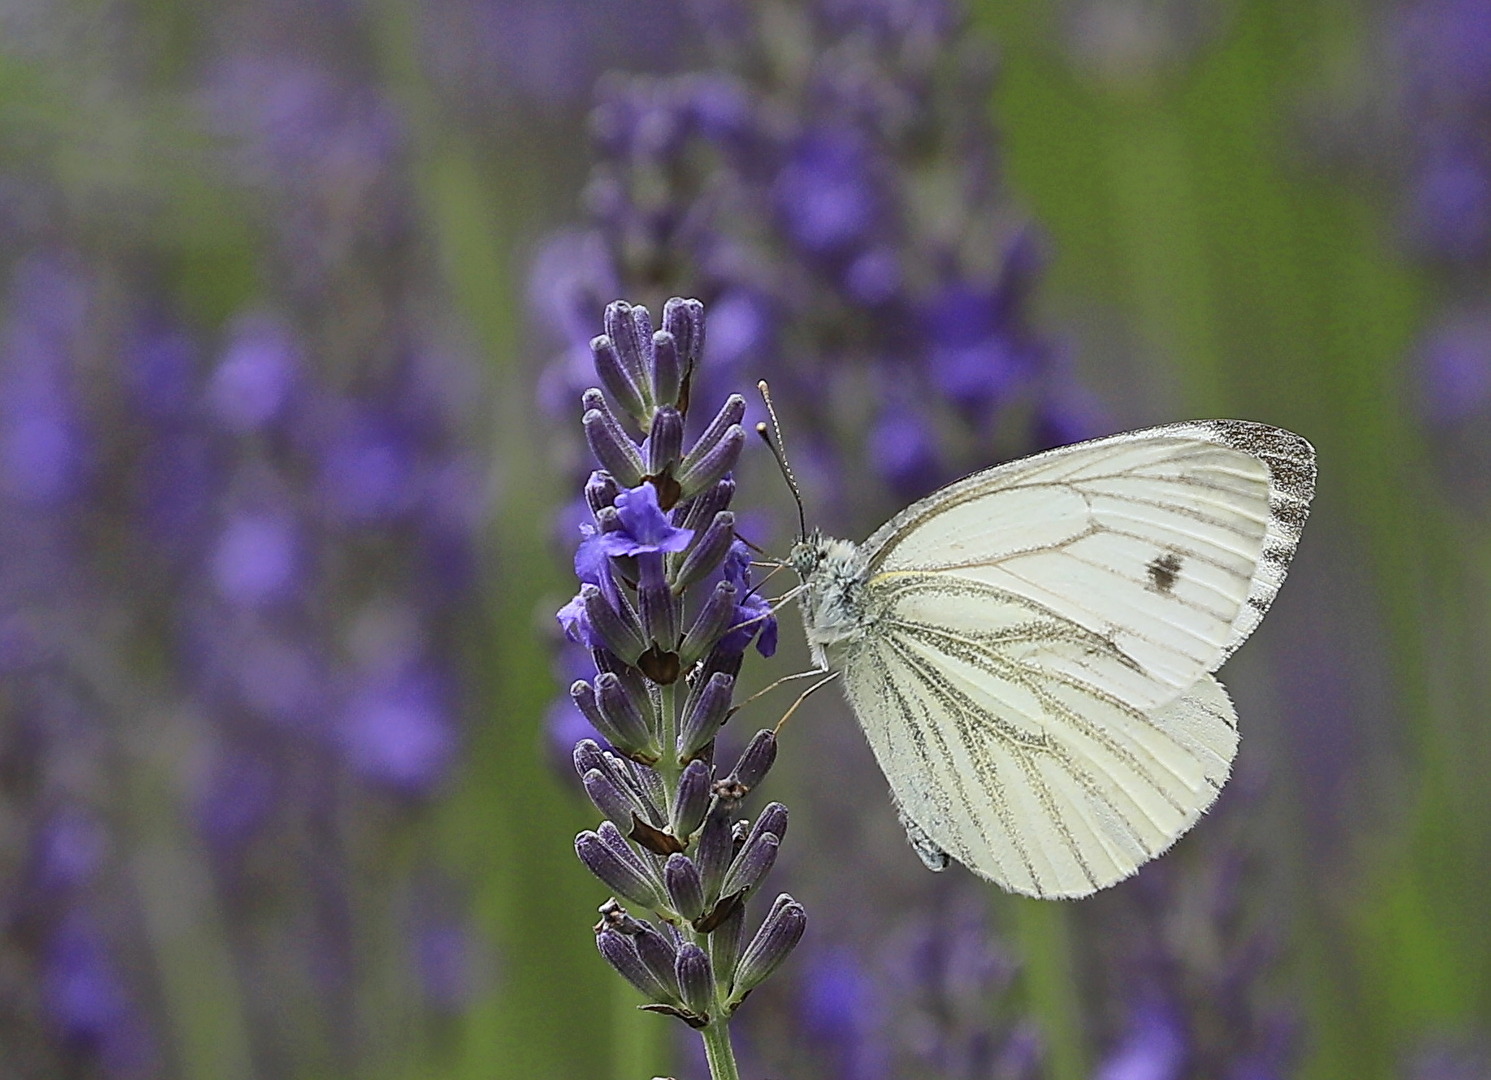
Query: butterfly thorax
{"points": [[833, 603]]}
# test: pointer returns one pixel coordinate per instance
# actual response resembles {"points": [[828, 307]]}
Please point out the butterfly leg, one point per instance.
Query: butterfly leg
{"points": [[828, 678], [784, 679]]}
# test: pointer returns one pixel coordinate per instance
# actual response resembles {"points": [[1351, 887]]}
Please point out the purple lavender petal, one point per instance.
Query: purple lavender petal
{"points": [[645, 527]]}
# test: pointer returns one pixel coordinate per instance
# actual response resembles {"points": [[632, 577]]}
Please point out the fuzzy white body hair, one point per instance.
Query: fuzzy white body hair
{"points": [[833, 605]]}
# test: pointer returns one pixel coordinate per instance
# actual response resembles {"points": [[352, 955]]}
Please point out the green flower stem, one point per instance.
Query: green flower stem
{"points": [[718, 1050]]}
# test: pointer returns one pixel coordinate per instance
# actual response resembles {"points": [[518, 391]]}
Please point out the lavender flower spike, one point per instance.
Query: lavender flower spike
{"points": [[661, 555]]}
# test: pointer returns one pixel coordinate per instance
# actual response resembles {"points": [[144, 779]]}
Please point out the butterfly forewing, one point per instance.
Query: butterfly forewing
{"points": [[1034, 676]]}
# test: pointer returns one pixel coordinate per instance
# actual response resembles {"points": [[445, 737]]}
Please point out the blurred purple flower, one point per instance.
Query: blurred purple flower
{"points": [[842, 1016], [72, 846], [1456, 361], [1441, 47], [235, 796], [973, 363], [1153, 1047], [839, 224], [399, 730], [252, 385], [162, 371], [257, 559], [43, 452], [825, 193], [367, 471], [1186, 958], [544, 53], [88, 1001]]}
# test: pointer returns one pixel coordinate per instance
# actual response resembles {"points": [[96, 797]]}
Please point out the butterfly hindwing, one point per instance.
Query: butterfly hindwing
{"points": [[1034, 672]]}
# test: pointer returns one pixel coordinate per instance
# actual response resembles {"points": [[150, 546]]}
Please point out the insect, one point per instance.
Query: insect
{"points": [[1030, 649]]}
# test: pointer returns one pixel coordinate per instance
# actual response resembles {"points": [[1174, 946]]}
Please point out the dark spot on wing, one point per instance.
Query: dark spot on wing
{"points": [[1290, 516], [1163, 571], [1279, 556]]}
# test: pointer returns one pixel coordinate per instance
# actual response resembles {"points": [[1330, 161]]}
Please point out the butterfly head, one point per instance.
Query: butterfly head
{"points": [[808, 554]]}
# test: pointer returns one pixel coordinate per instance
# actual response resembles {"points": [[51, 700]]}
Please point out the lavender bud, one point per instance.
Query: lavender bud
{"points": [[685, 887], [601, 491], [704, 506], [714, 465], [621, 954], [617, 630], [684, 319], [613, 838], [773, 819], [720, 658], [725, 942], [632, 741], [657, 604], [704, 714], [664, 445], [730, 415], [650, 783], [608, 520], [667, 371], [631, 680], [629, 740], [715, 849], [612, 447], [660, 956], [755, 761], [622, 716], [778, 936], [695, 979], [714, 618], [692, 802], [588, 754], [708, 551], [625, 877], [615, 378], [609, 799], [752, 864], [641, 325], [630, 328], [627, 776]]}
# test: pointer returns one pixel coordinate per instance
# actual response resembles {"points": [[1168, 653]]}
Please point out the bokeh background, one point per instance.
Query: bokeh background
{"points": [[295, 299]]}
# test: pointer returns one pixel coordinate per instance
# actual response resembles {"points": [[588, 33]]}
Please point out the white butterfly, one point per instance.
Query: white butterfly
{"points": [[1030, 649]]}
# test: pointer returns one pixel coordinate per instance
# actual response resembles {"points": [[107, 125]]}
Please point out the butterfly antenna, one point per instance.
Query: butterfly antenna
{"points": [[772, 437]]}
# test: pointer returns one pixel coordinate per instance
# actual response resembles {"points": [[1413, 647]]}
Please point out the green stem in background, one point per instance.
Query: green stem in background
{"points": [[189, 940], [637, 1040], [720, 1053], [1163, 247], [1041, 927], [508, 812]]}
